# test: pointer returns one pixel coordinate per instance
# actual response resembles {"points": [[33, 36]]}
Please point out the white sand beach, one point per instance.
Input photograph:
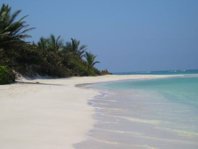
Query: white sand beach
{"points": [[49, 113]]}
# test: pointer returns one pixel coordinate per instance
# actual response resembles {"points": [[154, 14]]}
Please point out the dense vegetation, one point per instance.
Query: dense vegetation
{"points": [[6, 75], [50, 56]]}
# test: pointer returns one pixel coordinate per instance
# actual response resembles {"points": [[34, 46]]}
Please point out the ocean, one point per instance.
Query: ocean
{"points": [[145, 114]]}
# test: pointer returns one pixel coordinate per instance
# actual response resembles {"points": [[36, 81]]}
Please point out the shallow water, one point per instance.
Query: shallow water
{"points": [[145, 114]]}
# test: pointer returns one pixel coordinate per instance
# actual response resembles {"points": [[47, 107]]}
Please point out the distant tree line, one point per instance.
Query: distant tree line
{"points": [[50, 56]]}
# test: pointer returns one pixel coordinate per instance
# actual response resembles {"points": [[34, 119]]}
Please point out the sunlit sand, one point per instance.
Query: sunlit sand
{"points": [[49, 113]]}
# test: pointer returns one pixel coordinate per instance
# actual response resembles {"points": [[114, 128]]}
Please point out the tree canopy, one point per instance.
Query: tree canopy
{"points": [[50, 56]]}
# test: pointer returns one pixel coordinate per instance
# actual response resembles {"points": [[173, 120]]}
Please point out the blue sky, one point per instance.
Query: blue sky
{"points": [[126, 35]]}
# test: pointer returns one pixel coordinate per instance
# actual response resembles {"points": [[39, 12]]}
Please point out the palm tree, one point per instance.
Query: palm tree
{"points": [[90, 59], [42, 44], [75, 48], [55, 43], [51, 43], [12, 31]]}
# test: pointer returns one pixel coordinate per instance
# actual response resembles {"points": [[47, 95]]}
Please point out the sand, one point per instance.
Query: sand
{"points": [[49, 113]]}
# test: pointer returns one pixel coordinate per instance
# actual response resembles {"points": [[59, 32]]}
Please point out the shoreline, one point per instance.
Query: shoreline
{"points": [[136, 115], [50, 113]]}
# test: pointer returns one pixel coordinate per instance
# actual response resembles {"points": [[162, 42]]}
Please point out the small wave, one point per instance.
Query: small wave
{"points": [[182, 132], [137, 146], [138, 120]]}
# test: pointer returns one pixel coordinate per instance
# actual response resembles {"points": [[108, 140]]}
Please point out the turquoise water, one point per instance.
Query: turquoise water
{"points": [[163, 72], [146, 114], [178, 89]]}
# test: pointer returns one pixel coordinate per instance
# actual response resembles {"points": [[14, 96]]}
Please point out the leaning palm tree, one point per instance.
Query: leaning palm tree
{"points": [[12, 31], [90, 59]]}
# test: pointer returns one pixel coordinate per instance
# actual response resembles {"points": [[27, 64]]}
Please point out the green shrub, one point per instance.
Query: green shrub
{"points": [[6, 75]]}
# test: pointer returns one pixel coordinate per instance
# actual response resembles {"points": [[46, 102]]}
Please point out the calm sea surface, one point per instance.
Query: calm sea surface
{"points": [[146, 114]]}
